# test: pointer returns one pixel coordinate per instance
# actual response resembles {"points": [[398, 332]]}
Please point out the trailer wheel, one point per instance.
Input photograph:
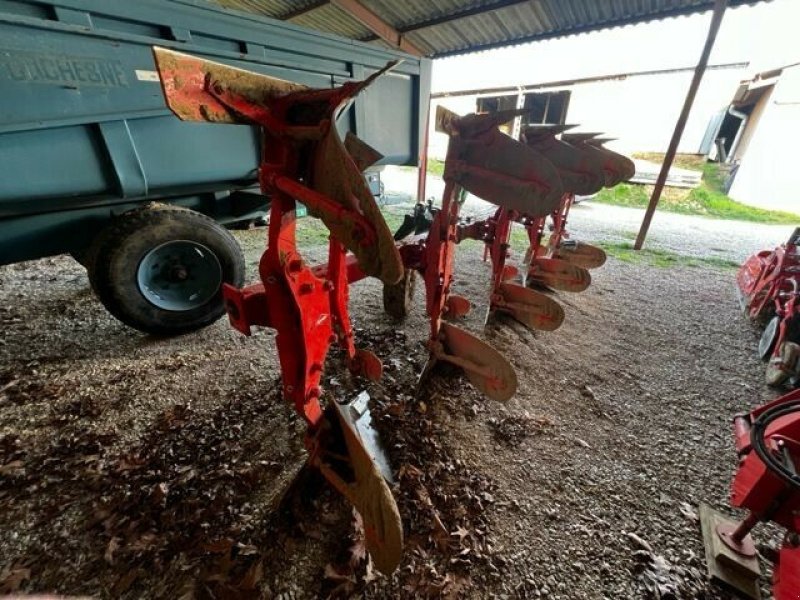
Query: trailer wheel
{"points": [[160, 269], [398, 297]]}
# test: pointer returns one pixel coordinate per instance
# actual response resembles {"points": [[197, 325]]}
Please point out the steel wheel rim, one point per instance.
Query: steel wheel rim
{"points": [[179, 275], [768, 338]]}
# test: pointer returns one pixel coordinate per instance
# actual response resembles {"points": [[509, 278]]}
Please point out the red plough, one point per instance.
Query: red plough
{"points": [[560, 264], [768, 284], [485, 162], [304, 159]]}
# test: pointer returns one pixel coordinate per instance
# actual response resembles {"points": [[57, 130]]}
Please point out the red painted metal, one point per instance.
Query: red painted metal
{"points": [[505, 172], [769, 286], [306, 306], [764, 276], [766, 493]]}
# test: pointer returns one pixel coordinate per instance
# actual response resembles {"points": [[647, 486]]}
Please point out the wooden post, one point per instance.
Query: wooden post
{"points": [[669, 157]]}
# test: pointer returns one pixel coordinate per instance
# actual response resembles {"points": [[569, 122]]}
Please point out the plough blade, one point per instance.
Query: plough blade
{"points": [[361, 152], [473, 124], [366, 364], [185, 78], [623, 166], [508, 174], [582, 254], [345, 462], [457, 307], [487, 369], [533, 309], [338, 177], [495, 167], [581, 172], [559, 274], [202, 90], [509, 272]]}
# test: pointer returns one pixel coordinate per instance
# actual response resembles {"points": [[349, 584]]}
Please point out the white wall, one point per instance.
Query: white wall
{"points": [[769, 176], [639, 111]]}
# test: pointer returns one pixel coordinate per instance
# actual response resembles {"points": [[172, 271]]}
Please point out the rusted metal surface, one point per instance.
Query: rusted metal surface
{"points": [[496, 168], [558, 275], [362, 153], [531, 308], [185, 80]]}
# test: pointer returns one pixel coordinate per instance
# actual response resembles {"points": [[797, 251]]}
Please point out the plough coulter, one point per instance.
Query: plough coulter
{"points": [[769, 284], [304, 159]]}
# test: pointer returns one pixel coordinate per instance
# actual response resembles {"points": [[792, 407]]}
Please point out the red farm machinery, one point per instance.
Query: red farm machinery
{"points": [[304, 159], [767, 439], [769, 284], [767, 486]]}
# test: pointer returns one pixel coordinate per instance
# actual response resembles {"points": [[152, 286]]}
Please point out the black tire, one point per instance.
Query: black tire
{"points": [[82, 256], [118, 255], [399, 297]]}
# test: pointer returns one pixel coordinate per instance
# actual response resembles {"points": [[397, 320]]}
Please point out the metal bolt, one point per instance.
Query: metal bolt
{"points": [[327, 285], [306, 288]]}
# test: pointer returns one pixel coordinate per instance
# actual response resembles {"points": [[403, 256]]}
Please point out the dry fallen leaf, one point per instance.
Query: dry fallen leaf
{"points": [[12, 578], [252, 576], [113, 545]]}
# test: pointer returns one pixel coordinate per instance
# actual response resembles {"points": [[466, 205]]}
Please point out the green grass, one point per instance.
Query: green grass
{"points": [[663, 258], [435, 166], [708, 200]]}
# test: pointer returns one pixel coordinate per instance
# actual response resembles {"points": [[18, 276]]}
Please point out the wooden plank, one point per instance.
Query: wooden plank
{"points": [[725, 566]]}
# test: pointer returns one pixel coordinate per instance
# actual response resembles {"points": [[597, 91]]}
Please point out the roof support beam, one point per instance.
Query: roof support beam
{"points": [[299, 12], [377, 25], [669, 157], [461, 14]]}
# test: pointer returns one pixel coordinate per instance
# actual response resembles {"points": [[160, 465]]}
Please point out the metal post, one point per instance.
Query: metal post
{"points": [[422, 173], [716, 20]]}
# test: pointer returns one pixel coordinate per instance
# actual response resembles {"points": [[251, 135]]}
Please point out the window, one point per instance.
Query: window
{"points": [[547, 107]]}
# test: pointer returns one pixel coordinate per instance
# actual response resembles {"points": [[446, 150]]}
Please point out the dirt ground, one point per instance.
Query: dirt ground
{"points": [[137, 467]]}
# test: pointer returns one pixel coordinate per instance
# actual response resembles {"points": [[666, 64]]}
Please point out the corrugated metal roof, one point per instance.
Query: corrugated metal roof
{"points": [[447, 27], [331, 19]]}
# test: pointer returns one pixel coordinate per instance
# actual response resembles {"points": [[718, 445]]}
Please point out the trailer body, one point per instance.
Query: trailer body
{"points": [[85, 134]]}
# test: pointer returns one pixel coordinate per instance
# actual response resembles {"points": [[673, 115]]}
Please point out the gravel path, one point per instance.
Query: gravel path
{"points": [[137, 467]]}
